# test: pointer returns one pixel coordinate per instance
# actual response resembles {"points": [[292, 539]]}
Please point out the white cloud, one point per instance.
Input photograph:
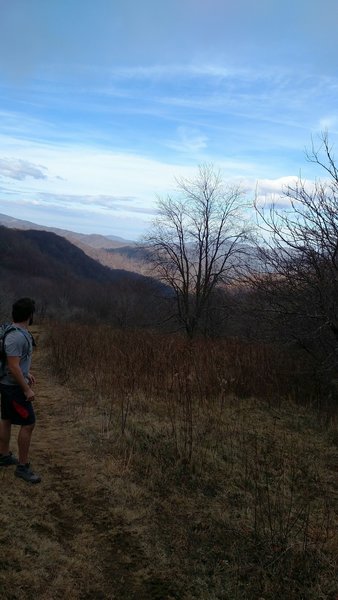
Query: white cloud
{"points": [[275, 186], [273, 191], [21, 169]]}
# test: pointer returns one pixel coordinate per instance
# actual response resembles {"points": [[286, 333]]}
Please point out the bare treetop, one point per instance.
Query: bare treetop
{"points": [[194, 240]]}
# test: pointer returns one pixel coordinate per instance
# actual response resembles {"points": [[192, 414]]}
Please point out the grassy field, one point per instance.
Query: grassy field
{"points": [[171, 471]]}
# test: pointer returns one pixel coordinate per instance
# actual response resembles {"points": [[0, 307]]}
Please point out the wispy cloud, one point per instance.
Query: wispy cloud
{"points": [[188, 140], [21, 169], [329, 123], [167, 71], [96, 202]]}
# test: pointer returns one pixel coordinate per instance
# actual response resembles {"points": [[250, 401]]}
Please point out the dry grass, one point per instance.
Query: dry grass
{"points": [[164, 478]]}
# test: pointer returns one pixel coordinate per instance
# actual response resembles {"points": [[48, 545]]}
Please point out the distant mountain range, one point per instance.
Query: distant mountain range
{"points": [[44, 254], [67, 283], [111, 251], [91, 240]]}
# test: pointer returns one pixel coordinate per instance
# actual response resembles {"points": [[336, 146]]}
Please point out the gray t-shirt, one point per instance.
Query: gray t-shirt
{"points": [[18, 343]]}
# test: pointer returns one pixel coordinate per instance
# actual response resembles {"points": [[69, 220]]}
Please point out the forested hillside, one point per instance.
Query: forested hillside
{"points": [[65, 279]]}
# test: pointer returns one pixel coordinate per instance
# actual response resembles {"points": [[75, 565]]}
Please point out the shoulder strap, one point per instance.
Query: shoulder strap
{"points": [[29, 339]]}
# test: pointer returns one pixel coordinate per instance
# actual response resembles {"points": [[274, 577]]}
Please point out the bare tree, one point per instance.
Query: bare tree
{"points": [[194, 241], [298, 259]]}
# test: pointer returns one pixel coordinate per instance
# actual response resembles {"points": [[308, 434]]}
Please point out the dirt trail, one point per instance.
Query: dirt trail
{"points": [[65, 538]]}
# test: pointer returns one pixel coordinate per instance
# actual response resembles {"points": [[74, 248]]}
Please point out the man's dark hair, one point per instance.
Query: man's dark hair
{"points": [[23, 309]]}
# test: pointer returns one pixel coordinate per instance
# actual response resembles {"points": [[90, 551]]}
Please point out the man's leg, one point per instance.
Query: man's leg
{"points": [[24, 440], [23, 469], [6, 457], [5, 435]]}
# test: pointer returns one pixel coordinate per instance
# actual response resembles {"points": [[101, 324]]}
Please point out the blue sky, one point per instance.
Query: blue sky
{"points": [[104, 103]]}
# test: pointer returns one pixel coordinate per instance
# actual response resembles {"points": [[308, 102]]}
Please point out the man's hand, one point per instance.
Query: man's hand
{"points": [[29, 395], [14, 367], [31, 379]]}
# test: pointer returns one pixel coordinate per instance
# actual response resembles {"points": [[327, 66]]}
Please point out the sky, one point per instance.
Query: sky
{"points": [[105, 103]]}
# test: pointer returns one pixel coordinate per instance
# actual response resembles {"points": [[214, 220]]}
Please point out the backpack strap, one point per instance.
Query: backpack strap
{"points": [[6, 328]]}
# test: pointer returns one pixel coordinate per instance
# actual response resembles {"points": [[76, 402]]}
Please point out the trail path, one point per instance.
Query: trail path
{"points": [[65, 538]]}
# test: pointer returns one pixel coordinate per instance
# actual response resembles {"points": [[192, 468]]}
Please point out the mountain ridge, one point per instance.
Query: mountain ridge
{"points": [[67, 283], [94, 240], [95, 246], [49, 255]]}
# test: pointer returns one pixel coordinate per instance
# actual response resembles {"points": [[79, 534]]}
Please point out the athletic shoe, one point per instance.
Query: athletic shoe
{"points": [[26, 473], [6, 460]]}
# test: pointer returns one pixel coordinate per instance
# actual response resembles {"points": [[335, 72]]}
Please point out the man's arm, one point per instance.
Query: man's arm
{"points": [[13, 363]]}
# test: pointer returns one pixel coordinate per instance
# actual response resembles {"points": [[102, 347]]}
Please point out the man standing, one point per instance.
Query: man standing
{"points": [[16, 390]]}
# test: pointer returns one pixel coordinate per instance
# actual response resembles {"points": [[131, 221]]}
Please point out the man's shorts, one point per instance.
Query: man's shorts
{"points": [[15, 407]]}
